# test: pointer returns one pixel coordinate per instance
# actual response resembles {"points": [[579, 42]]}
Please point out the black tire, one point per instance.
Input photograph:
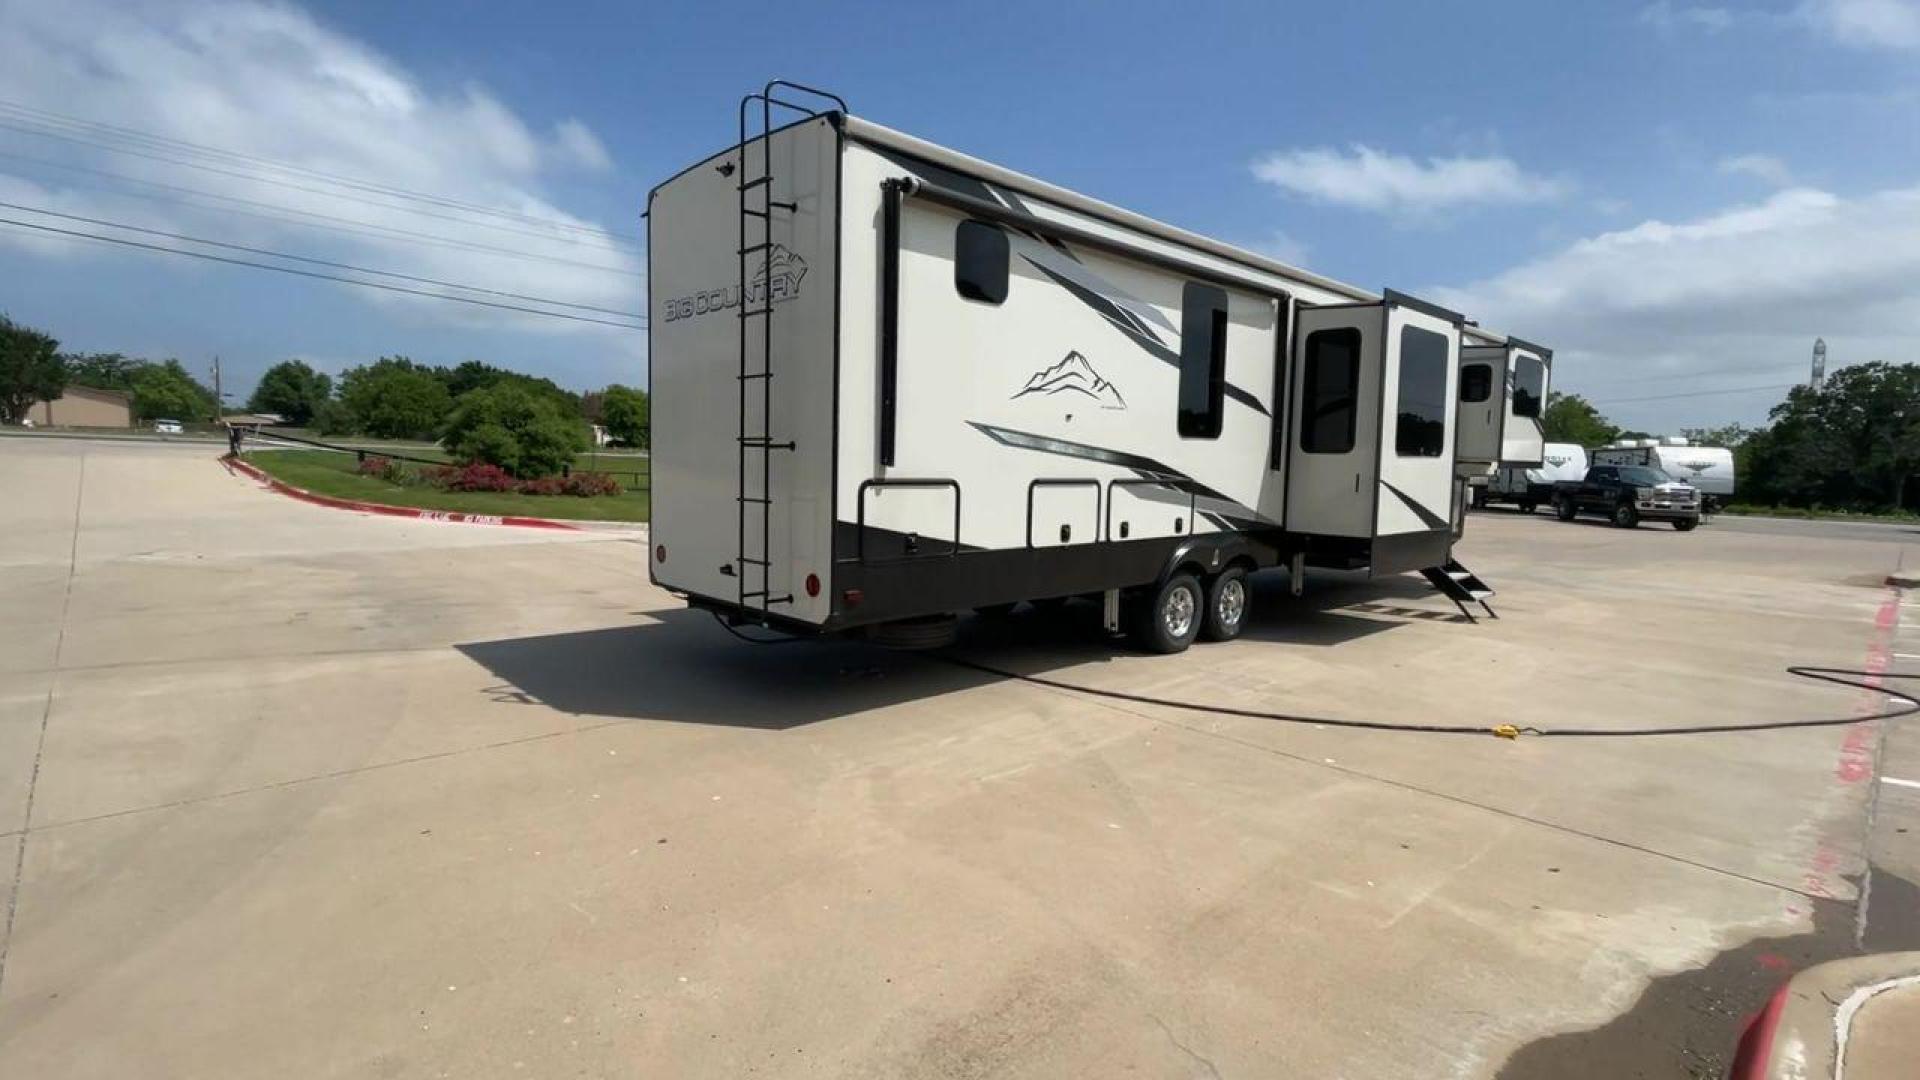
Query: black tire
{"points": [[1158, 625], [926, 632], [1565, 509], [1479, 498], [1625, 516], [1228, 600], [1526, 506], [1685, 524]]}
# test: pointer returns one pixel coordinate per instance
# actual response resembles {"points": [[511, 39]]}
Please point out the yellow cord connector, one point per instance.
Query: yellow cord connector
{"points": [[1507, 731]]}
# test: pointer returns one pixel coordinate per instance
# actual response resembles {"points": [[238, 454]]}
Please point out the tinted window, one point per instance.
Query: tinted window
{"points": [[1529, 385], [1203, 360], [980, 262], [1421, 428], [1330, 389], [1476, 383], [1644, 476]]}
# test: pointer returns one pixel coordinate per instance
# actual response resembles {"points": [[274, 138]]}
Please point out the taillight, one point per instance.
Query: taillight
{"points": [[660, 553], [852, 597]]}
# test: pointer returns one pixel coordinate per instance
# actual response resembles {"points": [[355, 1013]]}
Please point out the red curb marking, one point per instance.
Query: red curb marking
{"points": [[450, 516]]}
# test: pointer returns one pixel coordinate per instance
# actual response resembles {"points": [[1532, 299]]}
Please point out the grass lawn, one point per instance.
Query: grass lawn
{"points": [[324, 472]]}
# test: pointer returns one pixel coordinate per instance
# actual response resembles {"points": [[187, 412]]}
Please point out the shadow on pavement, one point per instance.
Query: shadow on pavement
{"points": [[683, 667]]}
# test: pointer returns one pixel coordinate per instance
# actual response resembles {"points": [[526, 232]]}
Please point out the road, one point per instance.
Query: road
{"points": [[286, 791]]}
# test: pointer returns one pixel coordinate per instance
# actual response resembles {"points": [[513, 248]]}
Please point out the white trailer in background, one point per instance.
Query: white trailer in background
{"points": [[1503, 398], [1532, 487], [893, 383], [1707, 468]]}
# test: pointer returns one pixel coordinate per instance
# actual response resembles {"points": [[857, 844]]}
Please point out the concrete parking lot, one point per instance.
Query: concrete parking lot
{"points": [[287, 791]]}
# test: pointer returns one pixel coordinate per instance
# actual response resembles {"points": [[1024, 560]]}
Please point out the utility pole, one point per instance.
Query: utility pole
{"points": [[219, 400]]}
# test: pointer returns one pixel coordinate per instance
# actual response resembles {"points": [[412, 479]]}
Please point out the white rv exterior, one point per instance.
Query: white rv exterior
{"points": [[1707, 468], [1531, 487], [980, 388]]}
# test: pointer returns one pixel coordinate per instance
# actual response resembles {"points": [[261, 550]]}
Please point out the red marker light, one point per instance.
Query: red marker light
{"points": [[660, 553], [852, 597], [813, 584]]}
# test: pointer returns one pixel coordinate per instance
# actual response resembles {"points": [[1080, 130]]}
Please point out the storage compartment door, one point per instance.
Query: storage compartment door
{"points": [[1334, 456], [1413, 498]]}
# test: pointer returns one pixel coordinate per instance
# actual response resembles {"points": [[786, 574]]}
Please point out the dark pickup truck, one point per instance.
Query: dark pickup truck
{"points": [[1628, 495]]}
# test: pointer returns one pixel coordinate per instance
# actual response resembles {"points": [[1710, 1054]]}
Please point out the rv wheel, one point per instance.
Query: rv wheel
{"points": [[1227, 601], [1170, 619], [1625, 516]]}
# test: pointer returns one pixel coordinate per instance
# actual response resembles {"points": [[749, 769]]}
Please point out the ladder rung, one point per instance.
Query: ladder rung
{"points": [[748, 312], [753, 499], [751, 210], [745, 596], [756, 562], [751, 248], [755, 375], [756, 182]]}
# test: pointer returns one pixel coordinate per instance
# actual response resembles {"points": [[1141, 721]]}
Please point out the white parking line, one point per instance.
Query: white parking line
{"points": [[1896, 781]]}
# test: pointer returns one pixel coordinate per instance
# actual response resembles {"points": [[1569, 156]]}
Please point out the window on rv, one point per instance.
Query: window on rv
{"points": [[1203, 360], [980, 262], [1421, 430], [1529, 384], [1476, 383], [1330, 391]]}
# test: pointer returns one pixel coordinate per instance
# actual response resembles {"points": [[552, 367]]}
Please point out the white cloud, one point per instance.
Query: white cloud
{"points": [[1891, 24], [1369, 179], [1748, 287], [1667, 16], [1763, 167], [267, 81]]}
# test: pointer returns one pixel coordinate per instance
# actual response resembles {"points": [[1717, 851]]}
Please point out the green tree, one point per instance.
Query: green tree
{"points": [[166, 391], [292, 389], [395, 398], [1727, 435], [331, 418], [31, 369], [625, 412], [1570, 418], [1853, 444], [521, 431], [104, 371], [471, 375]]}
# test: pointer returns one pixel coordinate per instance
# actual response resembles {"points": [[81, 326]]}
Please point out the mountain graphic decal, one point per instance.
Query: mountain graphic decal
{"points": [[1074, 375]]}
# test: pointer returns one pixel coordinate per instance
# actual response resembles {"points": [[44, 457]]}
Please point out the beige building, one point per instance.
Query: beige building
{"points": [[84, 406]]}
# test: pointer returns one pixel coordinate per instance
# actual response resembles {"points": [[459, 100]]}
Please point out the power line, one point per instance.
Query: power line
{"points": [[318, 262], [256, 178], [47, 116], [312, 274], [1697, 393], [347, 225]]}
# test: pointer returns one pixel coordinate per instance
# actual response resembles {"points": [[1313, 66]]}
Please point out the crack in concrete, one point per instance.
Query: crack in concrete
{"points": [[46, 715]]}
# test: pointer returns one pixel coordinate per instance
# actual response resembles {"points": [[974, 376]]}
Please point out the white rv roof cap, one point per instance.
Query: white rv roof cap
{"points": [[870, 132]]}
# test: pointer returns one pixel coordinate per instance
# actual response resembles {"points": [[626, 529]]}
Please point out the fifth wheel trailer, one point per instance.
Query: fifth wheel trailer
{"points": [[893, 383]]}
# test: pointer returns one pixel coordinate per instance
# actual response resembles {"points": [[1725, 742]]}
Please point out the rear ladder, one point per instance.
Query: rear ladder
{"points": [[757, 438]]}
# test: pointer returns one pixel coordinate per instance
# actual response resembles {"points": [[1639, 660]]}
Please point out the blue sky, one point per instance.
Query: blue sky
{"points": [[1678, 197]]}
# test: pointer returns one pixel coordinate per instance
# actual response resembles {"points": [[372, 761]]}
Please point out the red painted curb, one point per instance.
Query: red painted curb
{"points": [[452, 516]]}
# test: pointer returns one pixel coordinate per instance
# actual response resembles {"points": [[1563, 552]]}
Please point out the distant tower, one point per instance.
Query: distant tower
{"points": [[1819, 363]]}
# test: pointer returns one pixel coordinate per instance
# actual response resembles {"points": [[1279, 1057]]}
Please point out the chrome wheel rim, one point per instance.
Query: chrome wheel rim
{"points": [[1232, 604], [1178, 614]]}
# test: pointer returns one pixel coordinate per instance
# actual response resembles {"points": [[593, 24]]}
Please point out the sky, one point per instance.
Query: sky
{"points": [[1678, 198]]}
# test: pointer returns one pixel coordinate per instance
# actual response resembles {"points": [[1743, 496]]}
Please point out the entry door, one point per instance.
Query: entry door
{"points": [[1413, 499], [1336, 420], [1483, 403]]}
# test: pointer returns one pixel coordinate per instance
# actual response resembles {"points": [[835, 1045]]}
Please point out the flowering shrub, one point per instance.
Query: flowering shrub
{"points": [[474, 477], [588, 484], [543, 485], [383, 468]]}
